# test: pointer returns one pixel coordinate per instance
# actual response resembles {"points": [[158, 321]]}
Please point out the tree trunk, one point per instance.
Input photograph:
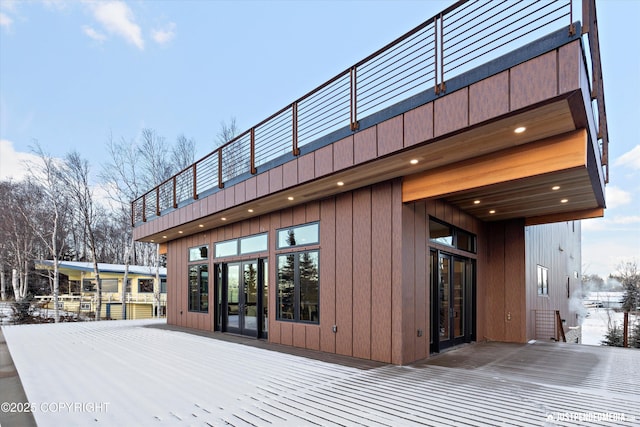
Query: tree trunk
{"points": [[156, 283], [125, 278], [3, 284], [56, 289], [16, 285]]}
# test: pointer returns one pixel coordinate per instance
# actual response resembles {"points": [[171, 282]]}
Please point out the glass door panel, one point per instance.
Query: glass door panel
{"points": [[233, 296], [249, 321], [265, 298], [458, 297], [445, 300]]}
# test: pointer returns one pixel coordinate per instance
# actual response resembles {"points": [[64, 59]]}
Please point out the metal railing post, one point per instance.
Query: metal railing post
{"points": [[158, 201], [353, 88], [195, 182], [220, 183], [175, 194], [294, 129], [253, 151]]}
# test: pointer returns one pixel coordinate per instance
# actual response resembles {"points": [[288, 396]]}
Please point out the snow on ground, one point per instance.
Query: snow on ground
{"points": [[595, 325], [142, 376], [124, 373]]}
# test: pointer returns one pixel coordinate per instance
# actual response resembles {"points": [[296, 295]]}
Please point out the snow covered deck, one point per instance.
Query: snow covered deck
{"points": [[140, 373]]}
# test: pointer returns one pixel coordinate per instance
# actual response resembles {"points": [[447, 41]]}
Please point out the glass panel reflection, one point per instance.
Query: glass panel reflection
{"points": [[233, 295], [250, 289], [444, 299], [286, 287], [309, 286], [458, 296]]}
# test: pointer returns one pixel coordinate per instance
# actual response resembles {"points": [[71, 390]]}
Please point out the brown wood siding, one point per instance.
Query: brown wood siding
{"points": [[362, 274], [530, 81], [381, 265], [397, 286], [514, 282], [328, 275], [495, 320], [505, 295], [344, 276]]}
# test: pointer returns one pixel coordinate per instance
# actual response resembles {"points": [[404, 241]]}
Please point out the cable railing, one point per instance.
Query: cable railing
{"points": [[464, 36]]}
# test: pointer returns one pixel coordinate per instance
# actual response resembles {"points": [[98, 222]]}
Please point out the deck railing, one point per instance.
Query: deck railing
{"points": [[465, 35]]}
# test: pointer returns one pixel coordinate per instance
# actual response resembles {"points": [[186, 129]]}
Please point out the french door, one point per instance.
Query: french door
{"points": [[452, 300], [243, 298]]}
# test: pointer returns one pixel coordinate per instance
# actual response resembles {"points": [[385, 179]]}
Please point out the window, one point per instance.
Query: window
{"points": [[85, 306], [145, 285], [299, 236], [109, 285], [228, 248], [242, 246], [199, 253], [449, 235], [257, 243], [543, 280], [298, 292], [163, 286], [88, 286], [199, 288]]}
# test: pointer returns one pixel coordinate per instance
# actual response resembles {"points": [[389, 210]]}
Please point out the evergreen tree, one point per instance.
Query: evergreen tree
{"points": [[634, 339], [614, 337]]}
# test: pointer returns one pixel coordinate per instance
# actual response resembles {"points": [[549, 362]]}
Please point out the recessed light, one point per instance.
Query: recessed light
{"points": [[164, 237], [564, 200], [520, 129], [290, 198], [201, 225], [152, 240], [414, 161], [340, 183], [492, 211], [223, 219], [476, 202], [555, 187], [249, 210]]}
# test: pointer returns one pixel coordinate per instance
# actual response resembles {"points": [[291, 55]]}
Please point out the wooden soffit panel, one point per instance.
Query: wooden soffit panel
{"points": [[547, 156]]}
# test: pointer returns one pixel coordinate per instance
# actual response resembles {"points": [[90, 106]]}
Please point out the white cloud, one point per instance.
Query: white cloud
{"points": [[617, 197], [93, 33], [5, 21], [630, 158], [14, 164], [616, 223], [117, 18], [9, 5], [165, 35]]}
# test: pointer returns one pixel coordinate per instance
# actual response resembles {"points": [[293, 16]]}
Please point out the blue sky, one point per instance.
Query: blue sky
{"points": [[73, 72]]}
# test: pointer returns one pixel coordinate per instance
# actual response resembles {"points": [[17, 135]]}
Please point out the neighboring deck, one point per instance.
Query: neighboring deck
{"points": [[153, 374]]}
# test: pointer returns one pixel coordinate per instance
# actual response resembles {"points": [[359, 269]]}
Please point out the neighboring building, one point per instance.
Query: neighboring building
{"points": [[142, 302], [428, 196]]}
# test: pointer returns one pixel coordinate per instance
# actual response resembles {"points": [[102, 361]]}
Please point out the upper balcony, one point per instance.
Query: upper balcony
{"points": [[448, 94]]}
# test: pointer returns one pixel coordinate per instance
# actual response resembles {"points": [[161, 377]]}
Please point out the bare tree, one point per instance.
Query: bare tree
{"points": [[183, 153], [235, 159], [133, 169], [75, 175], [227, 131], [49, 175], [19, 242]]}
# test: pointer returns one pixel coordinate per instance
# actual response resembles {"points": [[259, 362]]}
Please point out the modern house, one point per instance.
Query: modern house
{"points": [[427, 196], [145, 298]]}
